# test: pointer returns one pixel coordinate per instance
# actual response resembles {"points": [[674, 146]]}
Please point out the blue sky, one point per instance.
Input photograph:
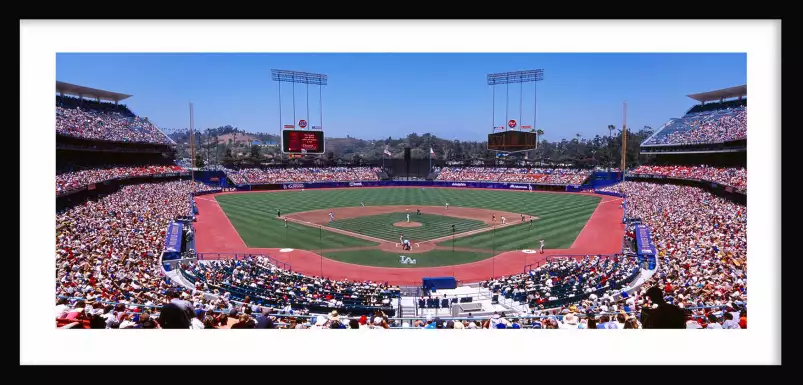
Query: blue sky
{"points": [[373, 96]]}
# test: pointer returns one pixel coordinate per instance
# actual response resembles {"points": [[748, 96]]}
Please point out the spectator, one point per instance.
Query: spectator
{"points": [[244, 322], [173, 316], [743, 320], [729, 322], [661, 315]]}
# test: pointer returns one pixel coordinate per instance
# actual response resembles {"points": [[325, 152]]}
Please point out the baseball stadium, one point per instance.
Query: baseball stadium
{"points": [[297, 228]]}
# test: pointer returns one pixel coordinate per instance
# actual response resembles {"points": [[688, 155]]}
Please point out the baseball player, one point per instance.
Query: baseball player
{"points": [[447, 205], [531, 221], [417, 211], [331, 216], [408, 217], [493, 218], [278, 213], [362, 203], [529, 186], [407, 244], [522, 218], [401, 239], [541, 249], [285, 221], [503, 220]]}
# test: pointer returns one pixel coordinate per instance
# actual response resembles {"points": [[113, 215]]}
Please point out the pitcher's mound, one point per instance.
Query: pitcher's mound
{"points": [[407, 224]]}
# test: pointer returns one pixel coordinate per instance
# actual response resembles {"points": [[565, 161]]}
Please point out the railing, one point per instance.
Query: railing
{"points": [[212, 256], [551, 258]]}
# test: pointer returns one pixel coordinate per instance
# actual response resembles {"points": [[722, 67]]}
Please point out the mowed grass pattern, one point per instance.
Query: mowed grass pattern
{"points": [[562, 216], [260, 228], [385, 259], [381, 226]]}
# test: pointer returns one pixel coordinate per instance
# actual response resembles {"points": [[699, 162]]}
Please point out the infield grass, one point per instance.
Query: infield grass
{"points": [[381, 226]]}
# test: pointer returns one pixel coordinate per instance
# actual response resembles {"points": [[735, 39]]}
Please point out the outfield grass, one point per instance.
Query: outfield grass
{"points": [[381, 226], [562, 216], [260, 229], [385, 259], [558, 227]]}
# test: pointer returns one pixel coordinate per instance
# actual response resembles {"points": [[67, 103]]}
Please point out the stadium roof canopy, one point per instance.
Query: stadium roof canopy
{"points": [[725, 93], [89, 93]]}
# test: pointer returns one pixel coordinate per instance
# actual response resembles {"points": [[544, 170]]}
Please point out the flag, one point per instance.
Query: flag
{"points": [[431, 153]]}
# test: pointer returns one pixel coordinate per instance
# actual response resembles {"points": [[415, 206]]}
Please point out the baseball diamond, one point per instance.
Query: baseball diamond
{"points": [[362, 243]]}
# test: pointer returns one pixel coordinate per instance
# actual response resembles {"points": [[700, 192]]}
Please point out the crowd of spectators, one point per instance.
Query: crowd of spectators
{"points": [[734, 177], [516, 174], [73, 180], [107, 255], [558, 281], [704, 127], [701, 241], [267, 284], [104, 121], [303, 175], [108, 250], [478, 174]]}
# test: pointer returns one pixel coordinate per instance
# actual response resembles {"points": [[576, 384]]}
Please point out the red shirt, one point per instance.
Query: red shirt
{"points": [[743, 322]]}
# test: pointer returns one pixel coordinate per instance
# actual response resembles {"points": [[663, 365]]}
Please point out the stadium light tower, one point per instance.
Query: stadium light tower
{"points": [[520, 77], [307, 78]]}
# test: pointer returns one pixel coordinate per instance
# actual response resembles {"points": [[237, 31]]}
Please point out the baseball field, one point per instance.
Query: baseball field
{"points": [[560, 217], [346, 231]]}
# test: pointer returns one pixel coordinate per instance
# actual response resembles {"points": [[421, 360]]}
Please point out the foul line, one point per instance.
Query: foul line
{"points": [[336, 230]]}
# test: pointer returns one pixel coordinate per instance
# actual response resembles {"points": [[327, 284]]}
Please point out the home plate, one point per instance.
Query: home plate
{"points": [[528, 251], [285, 250]]}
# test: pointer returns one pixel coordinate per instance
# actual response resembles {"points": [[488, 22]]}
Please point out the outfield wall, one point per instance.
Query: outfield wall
{"points": [[421, 183]]}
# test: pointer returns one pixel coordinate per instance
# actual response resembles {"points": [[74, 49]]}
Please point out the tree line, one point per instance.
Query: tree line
{"points": [[598, 151]]}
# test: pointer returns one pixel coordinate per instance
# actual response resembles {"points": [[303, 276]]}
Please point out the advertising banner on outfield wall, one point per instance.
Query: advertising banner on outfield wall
{"points": [[400, 183]]}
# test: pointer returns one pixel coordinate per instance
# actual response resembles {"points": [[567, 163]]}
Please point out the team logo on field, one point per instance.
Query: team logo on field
{"points": [[405, 260]]}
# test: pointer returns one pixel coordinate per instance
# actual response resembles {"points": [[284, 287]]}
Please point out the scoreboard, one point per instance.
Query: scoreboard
{"points": [[511, 141], [302, 142]]}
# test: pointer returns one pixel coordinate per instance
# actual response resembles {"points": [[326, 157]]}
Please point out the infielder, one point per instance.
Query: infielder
{"points": [[362, 203], [541, 249], [522, 218], [278, 213], [447, 205], [503, 220], [493, 218], [331, 216], [408, 217]]}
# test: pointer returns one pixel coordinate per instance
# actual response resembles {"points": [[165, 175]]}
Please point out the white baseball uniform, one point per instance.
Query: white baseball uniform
{"points": [[503, 220], [542, 246], [408, 218]]}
